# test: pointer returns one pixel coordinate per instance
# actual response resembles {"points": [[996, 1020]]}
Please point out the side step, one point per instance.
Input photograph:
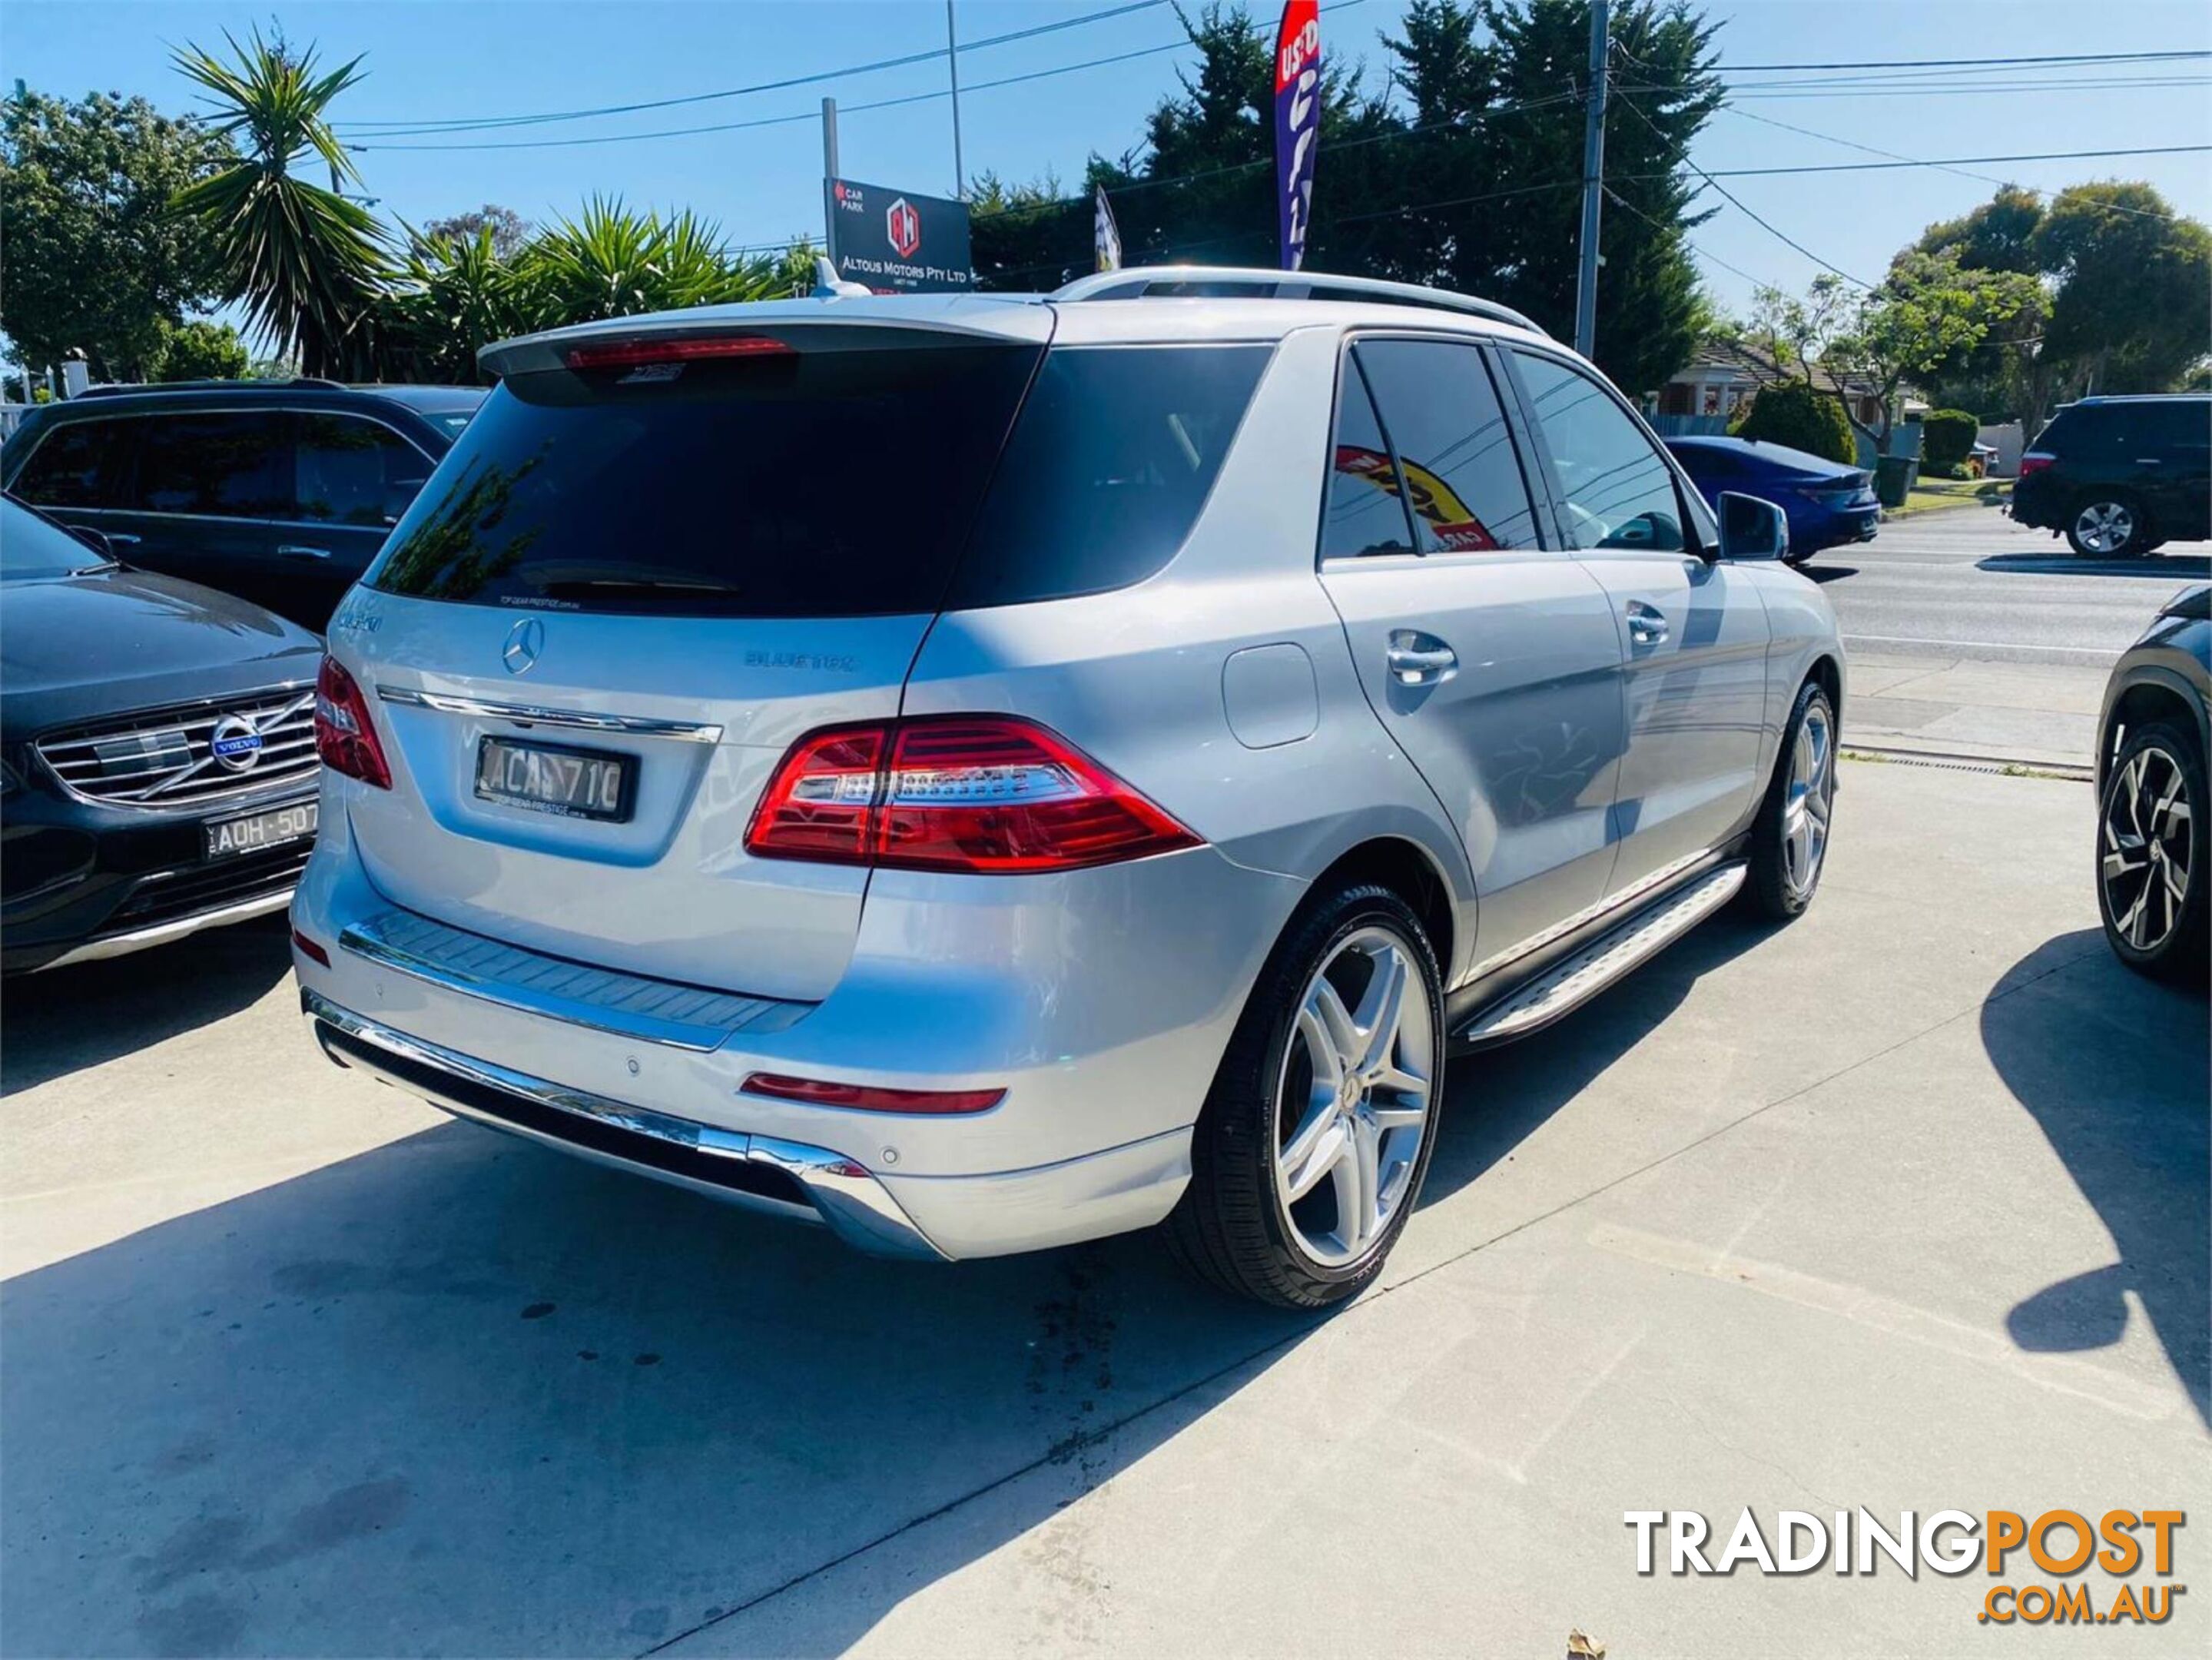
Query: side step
{"points": [[1573, 980]]}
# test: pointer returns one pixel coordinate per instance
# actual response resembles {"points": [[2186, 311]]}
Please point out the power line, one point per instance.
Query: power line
{"points": [[390, 127], [1966, 63], [1729, 196]]}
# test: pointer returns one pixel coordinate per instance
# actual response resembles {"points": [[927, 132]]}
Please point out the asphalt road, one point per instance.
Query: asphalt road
{"points": [[1901, 1206], [1970, 584]]}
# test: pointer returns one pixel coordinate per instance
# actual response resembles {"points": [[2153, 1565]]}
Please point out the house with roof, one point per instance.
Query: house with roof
{"points": [[1724, 374]]}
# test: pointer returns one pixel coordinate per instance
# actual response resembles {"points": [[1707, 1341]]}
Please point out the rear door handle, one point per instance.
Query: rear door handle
{"points": [[1419, 659], [1647, 625], [296, 550]]}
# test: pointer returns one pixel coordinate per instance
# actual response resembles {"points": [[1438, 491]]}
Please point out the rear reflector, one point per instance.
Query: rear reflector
{"points": [[860, 1098], [986, 793], [346, 738], [630, 354], [309, 949]]}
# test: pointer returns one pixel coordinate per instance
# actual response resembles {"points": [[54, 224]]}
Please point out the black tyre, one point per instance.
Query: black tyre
{"points": [[2109, 525], [2153, 884], [1313, 1143], [1790, 836]]}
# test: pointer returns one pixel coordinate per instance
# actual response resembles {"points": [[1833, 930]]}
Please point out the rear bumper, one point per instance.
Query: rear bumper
{"points": [[1099, 1002]]}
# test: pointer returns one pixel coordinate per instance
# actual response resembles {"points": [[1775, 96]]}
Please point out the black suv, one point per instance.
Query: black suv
{"points": [[2120, 476], [277, 491]]}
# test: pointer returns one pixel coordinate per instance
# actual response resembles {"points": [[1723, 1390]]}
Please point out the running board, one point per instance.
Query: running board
{"points": [[1574, 980]]}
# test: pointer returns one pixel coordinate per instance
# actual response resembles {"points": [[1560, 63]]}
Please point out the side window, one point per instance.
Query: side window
{"points": [[355, 471], [1366, 513], [2178, 423], [229, 465], [78, 464], [1619, 493], [1452, 443]]}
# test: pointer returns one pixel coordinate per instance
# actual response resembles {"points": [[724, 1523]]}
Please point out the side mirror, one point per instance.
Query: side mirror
{"points": [[1752, 528]]}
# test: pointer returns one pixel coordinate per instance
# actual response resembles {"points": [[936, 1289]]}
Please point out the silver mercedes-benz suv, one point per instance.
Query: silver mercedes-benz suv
{"points": [[986, 773]]}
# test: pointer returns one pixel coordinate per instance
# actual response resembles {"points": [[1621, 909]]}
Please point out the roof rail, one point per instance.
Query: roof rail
{"points": [[112, 389], [1251, 282]]}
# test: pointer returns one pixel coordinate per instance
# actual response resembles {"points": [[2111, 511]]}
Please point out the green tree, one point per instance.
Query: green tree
{"points": [[307, 261], [510, 229], [1927, 311], [200, 350], [613, 261], [94, 258], [2132, 278]]}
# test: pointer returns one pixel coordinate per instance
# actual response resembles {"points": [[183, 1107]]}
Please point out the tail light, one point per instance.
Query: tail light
{"points": [[2034, 462], [865, 1097], [635, 354], [986, 793], [345, 736]]}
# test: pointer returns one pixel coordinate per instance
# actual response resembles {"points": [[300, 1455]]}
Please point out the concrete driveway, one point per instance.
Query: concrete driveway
{"points": [[1905, 1205]]}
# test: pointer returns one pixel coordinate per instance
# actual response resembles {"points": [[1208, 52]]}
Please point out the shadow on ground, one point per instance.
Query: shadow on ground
{"points": [[2113, 1069], [460, 1394], [2064, 561], [66, 1019]]}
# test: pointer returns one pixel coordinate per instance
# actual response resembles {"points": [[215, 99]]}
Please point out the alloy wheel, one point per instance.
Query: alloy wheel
{"points": [[2146, 841], [1810, 801], [2105, 526], [1352, 1103]]}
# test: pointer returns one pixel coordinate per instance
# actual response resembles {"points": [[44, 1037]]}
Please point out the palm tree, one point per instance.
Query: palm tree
{"points": [[613, 261], [307, 262]]}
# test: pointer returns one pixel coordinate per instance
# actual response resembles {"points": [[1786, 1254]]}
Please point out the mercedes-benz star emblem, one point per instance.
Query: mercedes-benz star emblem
{"points": [[524, 641]]}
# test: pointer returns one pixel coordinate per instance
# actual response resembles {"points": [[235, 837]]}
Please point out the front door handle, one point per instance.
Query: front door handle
{"points": [[1419, 659], [1647, 624], [123, 538], [296, 550]]}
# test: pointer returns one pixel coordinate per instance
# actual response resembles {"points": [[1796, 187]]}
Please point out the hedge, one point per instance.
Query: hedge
{"points": [[1947, 438], [1792, 413]]}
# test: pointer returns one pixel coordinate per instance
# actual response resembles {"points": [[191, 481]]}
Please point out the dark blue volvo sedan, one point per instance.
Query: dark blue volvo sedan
{"points": [[1827, 504]]}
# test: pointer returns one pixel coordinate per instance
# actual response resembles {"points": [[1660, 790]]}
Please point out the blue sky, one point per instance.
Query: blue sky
{"points": [[433, 60]]}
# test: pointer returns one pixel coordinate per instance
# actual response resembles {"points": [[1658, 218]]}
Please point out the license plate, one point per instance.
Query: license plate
{"points": [[574, 783], [258, 830]]}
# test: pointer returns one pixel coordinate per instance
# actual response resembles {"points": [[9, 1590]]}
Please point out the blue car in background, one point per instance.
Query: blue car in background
{"points": [[1827, 504]]}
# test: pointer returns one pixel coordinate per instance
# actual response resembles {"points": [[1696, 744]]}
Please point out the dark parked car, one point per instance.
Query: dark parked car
{"points": [[1826, 504], [277, 491], [157, 752], [2154, 815], [2120, 476]]}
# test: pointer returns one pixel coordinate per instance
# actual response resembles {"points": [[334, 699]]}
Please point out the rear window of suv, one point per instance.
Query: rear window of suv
{"points": [[825, 483]]}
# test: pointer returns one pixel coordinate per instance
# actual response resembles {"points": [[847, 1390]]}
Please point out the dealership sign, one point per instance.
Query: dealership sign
{"points": [[897, 242]]}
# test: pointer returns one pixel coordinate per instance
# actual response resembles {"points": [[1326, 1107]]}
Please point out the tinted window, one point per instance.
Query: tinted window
{"points": [[74, 465], [236, 467], [831, 483], [1366, 513], [1702, 463], [1620, 494], [1453, 445], [2183, 422], [354, 471], [1111, 461]]}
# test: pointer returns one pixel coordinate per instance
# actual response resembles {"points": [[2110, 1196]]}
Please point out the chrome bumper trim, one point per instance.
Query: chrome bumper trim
{"points": [[606, 999], [532, 715], [177, 927], [843, 1194]]}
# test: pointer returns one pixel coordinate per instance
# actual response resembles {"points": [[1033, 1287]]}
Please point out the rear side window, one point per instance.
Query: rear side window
{"points": [[229, 466], [74, 465], [1114, 455], [818, 484], [1454, 448], [354, 471], [1366, 512], [2176, 423]]}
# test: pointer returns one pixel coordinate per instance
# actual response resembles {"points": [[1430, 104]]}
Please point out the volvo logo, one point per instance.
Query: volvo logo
{"points": [[236, 743], [524, 641]]}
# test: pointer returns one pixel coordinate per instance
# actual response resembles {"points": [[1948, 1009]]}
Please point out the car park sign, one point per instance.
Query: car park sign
{"points": [[896, 242]]}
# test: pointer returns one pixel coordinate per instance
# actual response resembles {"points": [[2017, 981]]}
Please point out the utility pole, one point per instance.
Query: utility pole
{"points": [[1593, 184], [952, 62], [830, 174]]}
